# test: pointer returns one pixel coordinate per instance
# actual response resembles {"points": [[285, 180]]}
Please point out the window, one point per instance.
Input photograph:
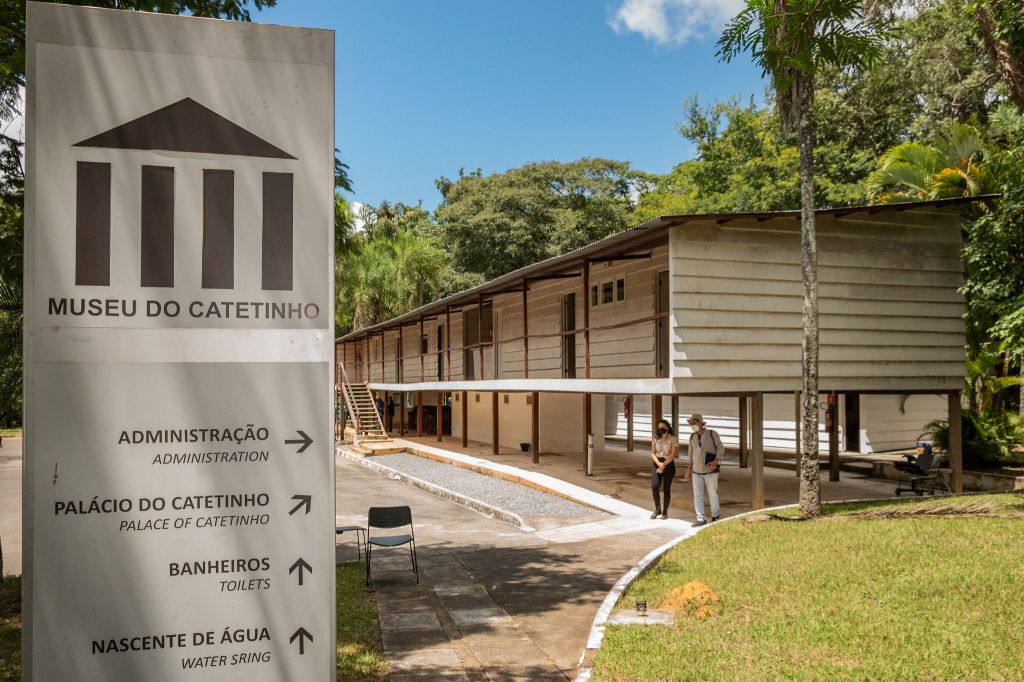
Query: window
{"points": [[604, 293], [423, 344]]}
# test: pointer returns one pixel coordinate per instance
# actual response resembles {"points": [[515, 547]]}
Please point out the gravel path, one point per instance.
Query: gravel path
{"points": [[513, 497]]}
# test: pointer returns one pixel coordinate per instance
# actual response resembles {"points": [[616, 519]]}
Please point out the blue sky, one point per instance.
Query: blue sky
{"points": [[426, 88]]}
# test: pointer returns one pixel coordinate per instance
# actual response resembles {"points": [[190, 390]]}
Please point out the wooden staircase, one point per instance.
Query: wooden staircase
{"points": [[362, 411]]}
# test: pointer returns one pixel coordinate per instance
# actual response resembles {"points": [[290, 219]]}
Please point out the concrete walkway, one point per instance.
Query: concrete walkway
{"points": [[494, 602], [625, 476]]}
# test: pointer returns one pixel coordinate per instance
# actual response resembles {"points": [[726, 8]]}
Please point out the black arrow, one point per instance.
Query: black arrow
{"points": [[300, 564], [303, 500], [302, 635], [306, 441]]}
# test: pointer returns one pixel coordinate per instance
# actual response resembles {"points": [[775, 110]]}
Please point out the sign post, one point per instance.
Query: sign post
{"points": [[179, 470]]}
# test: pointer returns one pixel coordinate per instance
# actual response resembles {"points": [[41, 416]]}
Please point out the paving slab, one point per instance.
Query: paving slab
{"points": [[512, 604]]}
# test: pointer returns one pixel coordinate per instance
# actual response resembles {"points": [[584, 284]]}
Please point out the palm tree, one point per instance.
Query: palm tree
{"points": [[952, 166], [418, 264], [790, 40]]}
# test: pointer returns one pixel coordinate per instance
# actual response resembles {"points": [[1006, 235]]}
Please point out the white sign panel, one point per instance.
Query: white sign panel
{"points": [[179, 476]]}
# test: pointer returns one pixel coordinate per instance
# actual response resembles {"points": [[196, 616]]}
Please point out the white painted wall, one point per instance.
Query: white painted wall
{"points": [[561, 420], [883, 427]]}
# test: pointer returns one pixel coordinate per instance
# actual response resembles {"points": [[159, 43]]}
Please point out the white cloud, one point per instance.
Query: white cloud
{"points": [[674, 22], [357, 211]]}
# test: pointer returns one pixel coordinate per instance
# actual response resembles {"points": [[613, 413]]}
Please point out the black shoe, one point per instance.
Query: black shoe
{"points": [[699, 523], [664, 517], [713, 519], [656, 514]]}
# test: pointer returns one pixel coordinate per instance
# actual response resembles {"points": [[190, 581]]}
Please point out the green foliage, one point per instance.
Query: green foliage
{"points": [[990, 438], [501, 222], [743, 164], [953, 165], [391, 266], [793, 39]]}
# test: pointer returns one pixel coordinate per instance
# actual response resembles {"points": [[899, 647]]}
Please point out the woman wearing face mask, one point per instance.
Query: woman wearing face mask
{"points": [[664, 451]]}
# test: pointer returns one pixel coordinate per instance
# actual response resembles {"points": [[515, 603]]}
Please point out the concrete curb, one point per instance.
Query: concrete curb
{"points": [[445, 494]]}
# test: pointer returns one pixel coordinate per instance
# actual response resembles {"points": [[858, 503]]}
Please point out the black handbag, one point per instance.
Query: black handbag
{"points": [[710, 456]]}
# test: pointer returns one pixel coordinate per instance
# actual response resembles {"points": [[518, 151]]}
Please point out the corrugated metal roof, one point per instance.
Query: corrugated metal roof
{"points": [[644, 235]]}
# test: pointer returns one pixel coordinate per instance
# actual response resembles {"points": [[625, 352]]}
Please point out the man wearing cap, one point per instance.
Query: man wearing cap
{"points": [[703, 459]]}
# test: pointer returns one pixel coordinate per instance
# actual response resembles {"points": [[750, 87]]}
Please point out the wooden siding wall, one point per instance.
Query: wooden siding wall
{"points": [[890, 314], [625, 352]]}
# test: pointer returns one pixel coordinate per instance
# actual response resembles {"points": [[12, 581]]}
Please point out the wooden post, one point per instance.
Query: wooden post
{"points": [[465, 419], [383, 374], [438, 420], [833, 440], [401, 356], [587, 426], [798, 420], [448, 340], [423, 358], [535, 428], [401, 416], [480, 333], [675, 415], [629, 423], [526, 334], [369, 376], [956, 444], [744, 429], [494, 422], [384, 417], [757, 450], [419, 413], [586, 319]]}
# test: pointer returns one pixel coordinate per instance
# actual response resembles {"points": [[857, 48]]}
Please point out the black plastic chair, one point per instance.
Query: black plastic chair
{"points": [[360, 537], [390, 517], [921, 474]]}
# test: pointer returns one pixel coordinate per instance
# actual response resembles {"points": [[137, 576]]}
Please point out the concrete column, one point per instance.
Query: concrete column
{"points": [[757, 450]]}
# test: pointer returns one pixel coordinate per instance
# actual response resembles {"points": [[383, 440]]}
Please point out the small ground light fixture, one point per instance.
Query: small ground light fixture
{"points": [[641, 607]]}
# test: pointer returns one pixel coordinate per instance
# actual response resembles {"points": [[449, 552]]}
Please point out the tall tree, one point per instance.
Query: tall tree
{"points": [[497, 223], [790, 40]]}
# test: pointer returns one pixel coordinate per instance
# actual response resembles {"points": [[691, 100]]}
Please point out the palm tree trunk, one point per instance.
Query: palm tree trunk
{"points": [[810, 492]]}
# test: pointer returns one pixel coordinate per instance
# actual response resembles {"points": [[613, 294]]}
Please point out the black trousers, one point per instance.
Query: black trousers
{"points": [[662, 481]]}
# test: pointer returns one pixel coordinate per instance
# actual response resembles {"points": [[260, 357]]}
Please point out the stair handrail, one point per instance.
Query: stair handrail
{"points": [[348, 400]]}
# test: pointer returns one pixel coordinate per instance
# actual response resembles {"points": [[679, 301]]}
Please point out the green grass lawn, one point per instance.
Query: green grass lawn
{"points": [[11, 433], [359, 648], [839, 599], [10, 629]]}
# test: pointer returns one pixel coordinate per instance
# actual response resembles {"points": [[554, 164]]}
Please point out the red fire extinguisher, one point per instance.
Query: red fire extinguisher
{"points": [[625, 407], [830, 412]]}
